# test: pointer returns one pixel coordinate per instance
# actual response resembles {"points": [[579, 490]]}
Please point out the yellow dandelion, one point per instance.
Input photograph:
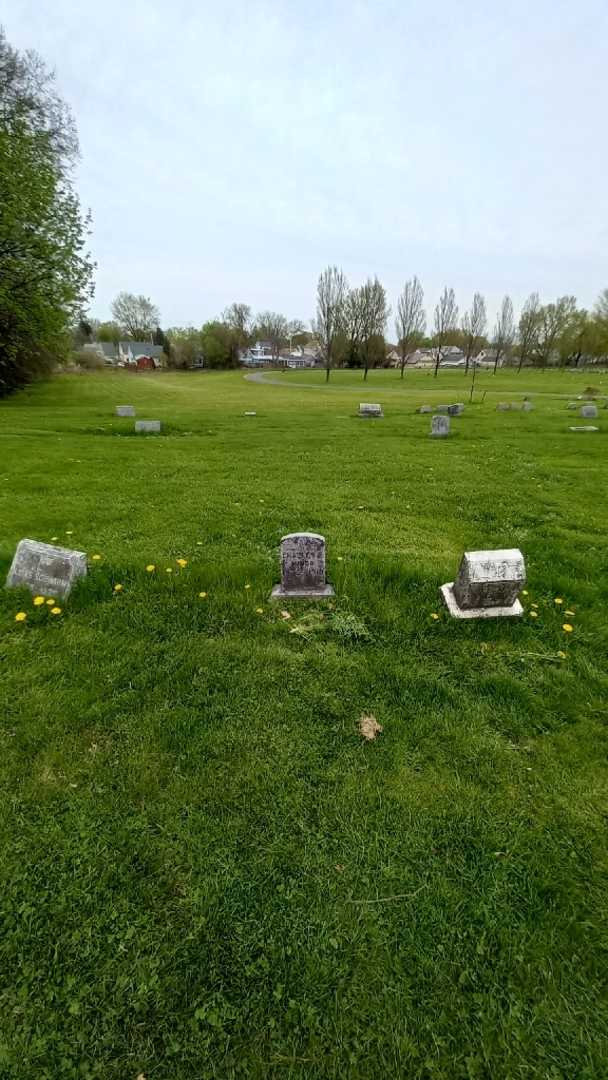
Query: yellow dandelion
{"points": [[569, 612], [118, 588], [567, 627], [202, 595], [534, 614], [38, 600], [524, 592], [561, 655], [169, 569], [54, 538], [247, 586], [434, 615], [340, 558], [534, 605], [199, 543], [150, 568], [69, 532], [21, 616], [55, 611], [558, 600], [182, 562], [96, 558], [259, 610], [51, 601]]}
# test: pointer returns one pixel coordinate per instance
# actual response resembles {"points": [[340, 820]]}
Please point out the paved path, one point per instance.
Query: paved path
{"points": [[268, 380]]}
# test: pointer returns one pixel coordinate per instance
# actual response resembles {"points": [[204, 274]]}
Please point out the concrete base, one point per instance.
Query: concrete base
{"points": [[279, 593], [371, 415], [447, 592]]}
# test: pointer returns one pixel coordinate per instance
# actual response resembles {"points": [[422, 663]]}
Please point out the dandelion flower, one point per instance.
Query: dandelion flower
{"points": [[558, 600], [567, 627], [182, 562], [21, 616], [259, 610], [69, 532], [247, 586], [54, 538], [150, 568], [534, 605], [118, 588], [524, 592], [51, 601], [340, 558], [55, 611], [534, 614], [169, 569], [96, 558], [38, 600], [202, 595], [434, 615], [569, 612], [199, 543], [561, 655]]}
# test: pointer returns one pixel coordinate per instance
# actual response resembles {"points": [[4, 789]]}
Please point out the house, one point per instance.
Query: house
{"points": [[393, 356], [106, 349], [259, 355], [139, 354]]}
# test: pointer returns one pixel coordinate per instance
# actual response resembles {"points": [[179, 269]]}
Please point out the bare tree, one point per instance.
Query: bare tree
{"points": [[445, 320], [273, 327], [410, 323], [374, 316], [238, 318], [136, 315], [528, 328], [504, 331], [332, 290], [473, 328]]}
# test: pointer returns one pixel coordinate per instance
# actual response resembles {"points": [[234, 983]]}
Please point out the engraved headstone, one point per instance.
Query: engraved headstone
{"points": [[370, 411], [456, 410], [302, 568], [125, 410], [487, 585], [587, 427], [147, 426], [44, 569], [503, 406], [589, 412], [440, 427]]}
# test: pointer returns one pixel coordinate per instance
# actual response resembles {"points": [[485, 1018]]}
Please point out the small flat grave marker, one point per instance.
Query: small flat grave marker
{"points": [[589, 412], [487, 585], [456, 410], [425, 409], [302, 568], [503, 406], [369, 411], [527, 406], [572, 405], [44, 569], [440, 427], [125, 410], [585, 427], [442, 408], [143, 426], [249, 413]]}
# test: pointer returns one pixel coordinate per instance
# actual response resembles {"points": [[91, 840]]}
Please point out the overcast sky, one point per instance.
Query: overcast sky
{"points": [[230, 151]]}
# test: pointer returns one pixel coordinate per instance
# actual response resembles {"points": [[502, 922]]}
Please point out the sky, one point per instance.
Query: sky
{"points": [[232, 151]]}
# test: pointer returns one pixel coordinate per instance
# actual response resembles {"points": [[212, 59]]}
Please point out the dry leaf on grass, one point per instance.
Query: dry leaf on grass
{"points": [[285, 615], [369, 727]]}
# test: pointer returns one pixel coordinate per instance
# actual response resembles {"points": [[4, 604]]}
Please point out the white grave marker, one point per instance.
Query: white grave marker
{"points": [[487, 585], [44, 569]]}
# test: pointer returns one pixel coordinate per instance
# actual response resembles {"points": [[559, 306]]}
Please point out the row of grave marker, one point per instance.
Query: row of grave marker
{"points": [[487, 584]]}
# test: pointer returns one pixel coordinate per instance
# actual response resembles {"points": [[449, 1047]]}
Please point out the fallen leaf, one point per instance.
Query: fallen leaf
{"points": [[369, 727], [285, 615]]}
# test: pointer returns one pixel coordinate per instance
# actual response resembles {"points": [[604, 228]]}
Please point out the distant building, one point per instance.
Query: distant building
{"points": [[106, 349], [140, 354]]}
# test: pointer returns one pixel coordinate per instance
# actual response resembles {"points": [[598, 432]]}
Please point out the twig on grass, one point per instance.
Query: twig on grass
{"points": [[386, 899]]}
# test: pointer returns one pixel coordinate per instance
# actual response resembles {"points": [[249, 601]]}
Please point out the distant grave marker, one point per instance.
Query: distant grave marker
{"points": [[487, 585], [572, 405], [369, 411], [44, 569], [585, 427], [147, 426], [425, 409], [302, 568], [527, 406], [456, 410], [249, 413], [125, 410], [440, 427], [589, 412], [503, 406]]}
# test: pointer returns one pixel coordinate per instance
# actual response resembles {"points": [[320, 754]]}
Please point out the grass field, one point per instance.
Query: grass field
{"points": [[206, 872]]}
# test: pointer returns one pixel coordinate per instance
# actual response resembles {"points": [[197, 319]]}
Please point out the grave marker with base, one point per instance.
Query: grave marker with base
{"points": [[487, 585], [145, 426], [440, 427], [44, 569], [589, 412], [125, 410], [370, 412], [302, 568]]}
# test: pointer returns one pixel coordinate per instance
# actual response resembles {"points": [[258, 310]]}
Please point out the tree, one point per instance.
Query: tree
{"points": [[353, 327], [445, 319], [45, 276], [474, 328], [374, 313], [108, 331], [504, 331], [184, 347], [601, 306], [136, 315], [410, 323], [552, 323], [238, 318], [528, 329], [273, 327], [219, 345], [332, 289]]}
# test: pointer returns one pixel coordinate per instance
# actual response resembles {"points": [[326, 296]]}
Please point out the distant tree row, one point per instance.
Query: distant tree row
{"points": [[351, 324]]}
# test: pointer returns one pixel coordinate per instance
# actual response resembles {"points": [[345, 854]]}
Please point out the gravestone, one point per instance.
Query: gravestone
{"points": [[456, 410], [487, 585], [425, 409], [440, 427], [587, 427], [527, 406], [44, 569], [572, 405], [589, 412], [125, 410], [503, 406], [442, 408], [143, 426], [302, 568], [251, 414], [369, 411]]}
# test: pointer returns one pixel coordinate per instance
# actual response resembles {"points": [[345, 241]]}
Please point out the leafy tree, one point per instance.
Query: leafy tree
{"points": [[238, 318], [410, 323], [108, 331], [374, 317], [136, 315], [553, 321], [45, 277], [332, 290], [273, 327], [219, 345], [504, 331], [445, 320]]}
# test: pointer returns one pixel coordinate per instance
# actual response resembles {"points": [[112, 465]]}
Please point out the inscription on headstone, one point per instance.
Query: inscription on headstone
{"points": [[44, 569], [302, 568], [370, 411], [487, 585], [125, 410], [147, 426], [440, 427], [589, 412]]}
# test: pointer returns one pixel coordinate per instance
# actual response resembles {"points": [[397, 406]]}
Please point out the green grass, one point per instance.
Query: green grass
{"points": [[205, 871]]}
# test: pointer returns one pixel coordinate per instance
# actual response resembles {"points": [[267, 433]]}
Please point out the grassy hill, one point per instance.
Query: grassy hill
{"points": [[206, 872]]}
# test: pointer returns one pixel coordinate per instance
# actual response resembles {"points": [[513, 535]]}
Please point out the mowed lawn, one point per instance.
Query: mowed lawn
{"points": [[206, 871]]}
